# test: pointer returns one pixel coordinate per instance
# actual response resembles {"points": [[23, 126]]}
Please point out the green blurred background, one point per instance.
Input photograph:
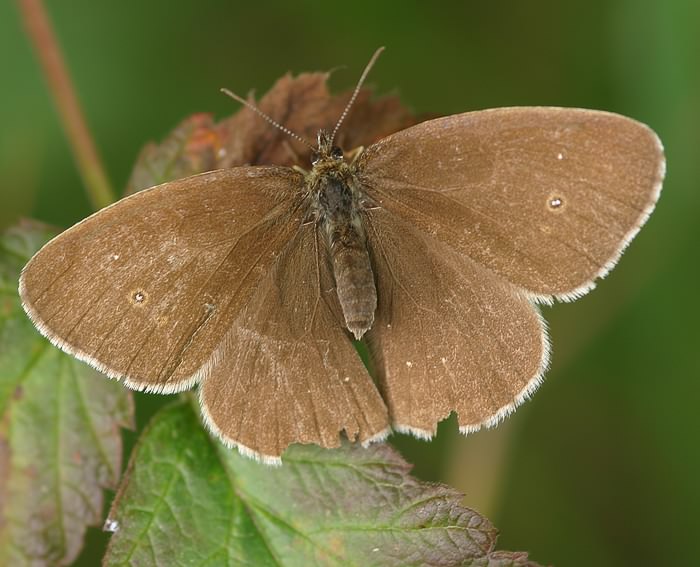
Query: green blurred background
{"points": [[602, 466]]}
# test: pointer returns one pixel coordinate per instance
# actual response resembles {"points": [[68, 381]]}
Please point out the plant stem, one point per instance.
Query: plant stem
{"points": [[85, 153]]}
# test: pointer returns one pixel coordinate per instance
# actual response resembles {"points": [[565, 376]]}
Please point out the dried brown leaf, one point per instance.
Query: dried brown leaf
{"points": [[302, 104]]}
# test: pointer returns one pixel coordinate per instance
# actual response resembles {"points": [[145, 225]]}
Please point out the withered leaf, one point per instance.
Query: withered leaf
{"points": [[303, 104]]}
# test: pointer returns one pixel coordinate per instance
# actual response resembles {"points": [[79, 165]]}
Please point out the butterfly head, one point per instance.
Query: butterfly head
{"points": [[326, 151]]}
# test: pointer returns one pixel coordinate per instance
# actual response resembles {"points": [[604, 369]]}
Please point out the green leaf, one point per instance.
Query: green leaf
{"points": [[60, 443], [187, 500]]}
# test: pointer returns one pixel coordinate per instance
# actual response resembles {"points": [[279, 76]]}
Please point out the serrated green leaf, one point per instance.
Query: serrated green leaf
{"points": [[187, 500], [60, 443], [504, 559]]}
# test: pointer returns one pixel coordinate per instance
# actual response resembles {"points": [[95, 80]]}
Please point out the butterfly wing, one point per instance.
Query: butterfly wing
{"points": [[449, 334], [546, 197], [287, 371], [145, 289]]}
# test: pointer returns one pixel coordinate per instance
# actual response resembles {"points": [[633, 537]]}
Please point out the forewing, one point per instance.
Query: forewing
{"points": [[546, 197], [287, 371], [145, 289], [449, 334]]}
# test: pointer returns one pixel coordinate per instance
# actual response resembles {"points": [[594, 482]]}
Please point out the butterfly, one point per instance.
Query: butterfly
{"points": [[434, 244]]}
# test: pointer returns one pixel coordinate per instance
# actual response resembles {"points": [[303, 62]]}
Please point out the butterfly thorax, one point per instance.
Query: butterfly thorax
{"points": [[337, 207]]}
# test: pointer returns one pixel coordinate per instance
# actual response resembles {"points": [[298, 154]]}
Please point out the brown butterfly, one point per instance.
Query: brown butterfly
{"points": [[435, 243]]}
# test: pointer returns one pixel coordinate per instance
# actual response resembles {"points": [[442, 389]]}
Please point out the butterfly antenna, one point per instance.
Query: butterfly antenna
{"points": [[356, 91], [260, 113]]}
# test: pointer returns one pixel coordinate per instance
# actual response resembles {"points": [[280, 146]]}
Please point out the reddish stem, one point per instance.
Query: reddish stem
{"points": [[85, 153]]}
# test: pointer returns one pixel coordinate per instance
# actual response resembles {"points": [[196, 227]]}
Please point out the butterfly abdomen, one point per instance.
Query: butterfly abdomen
{"points": [[347, 246]]}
